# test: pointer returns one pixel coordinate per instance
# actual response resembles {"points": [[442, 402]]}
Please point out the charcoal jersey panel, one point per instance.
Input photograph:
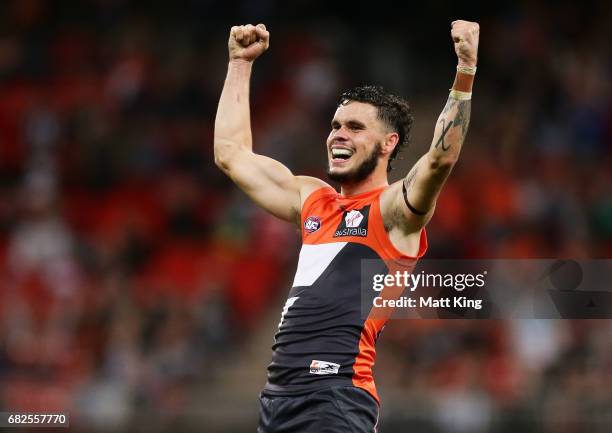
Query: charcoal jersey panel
{"points": [[326, 335]]}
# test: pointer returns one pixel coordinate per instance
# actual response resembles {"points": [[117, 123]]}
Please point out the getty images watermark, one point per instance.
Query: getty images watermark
{"points": [[487, 289], [411, 281]]}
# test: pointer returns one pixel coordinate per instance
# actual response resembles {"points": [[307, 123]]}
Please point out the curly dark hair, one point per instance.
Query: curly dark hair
{"points": [[392, 110]]}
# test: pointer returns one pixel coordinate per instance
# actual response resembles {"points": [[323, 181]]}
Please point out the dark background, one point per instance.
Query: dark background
{"points": [[140, 290]]}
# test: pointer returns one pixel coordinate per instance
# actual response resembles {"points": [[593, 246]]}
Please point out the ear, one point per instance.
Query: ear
{"points": [[391, 141]]}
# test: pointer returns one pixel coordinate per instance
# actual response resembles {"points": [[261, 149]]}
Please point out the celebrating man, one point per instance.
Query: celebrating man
{"points": [[320, 378]]}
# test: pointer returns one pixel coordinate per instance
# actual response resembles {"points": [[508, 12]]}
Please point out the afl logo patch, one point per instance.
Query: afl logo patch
{"points": [[312, 224]]}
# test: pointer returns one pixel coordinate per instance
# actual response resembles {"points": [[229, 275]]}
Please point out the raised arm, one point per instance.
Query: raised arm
{"points": [[269, 183], [416, 194]]}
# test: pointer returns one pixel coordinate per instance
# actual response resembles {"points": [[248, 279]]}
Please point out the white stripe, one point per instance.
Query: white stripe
{"points": [[377, 417], [314, 259]]}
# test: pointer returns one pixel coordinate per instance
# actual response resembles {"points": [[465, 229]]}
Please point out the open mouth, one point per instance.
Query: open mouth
{"points": [[341, 154]]}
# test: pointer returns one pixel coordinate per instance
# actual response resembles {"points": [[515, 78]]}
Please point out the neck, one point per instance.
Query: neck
{"points": [[372, 182]]}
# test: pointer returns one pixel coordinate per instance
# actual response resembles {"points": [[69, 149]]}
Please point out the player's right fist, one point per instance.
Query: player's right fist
{"points": [[465, 36], [248, 42]]}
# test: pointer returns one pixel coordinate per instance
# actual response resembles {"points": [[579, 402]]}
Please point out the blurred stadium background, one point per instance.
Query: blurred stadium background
{"points": [[139, 290]]}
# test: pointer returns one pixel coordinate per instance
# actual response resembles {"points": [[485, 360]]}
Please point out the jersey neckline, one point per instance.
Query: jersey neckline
{"points": [[361, 195]]}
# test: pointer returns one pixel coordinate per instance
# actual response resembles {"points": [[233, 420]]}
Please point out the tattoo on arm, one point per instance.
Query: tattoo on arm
{"points": [[462, 119], [445, 129], [409, 180], [450, 103], [406, 186]]}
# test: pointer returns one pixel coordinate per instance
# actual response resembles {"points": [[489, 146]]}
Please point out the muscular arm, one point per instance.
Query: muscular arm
{"points": [[266, 181], [422, 185], [413, 198]]}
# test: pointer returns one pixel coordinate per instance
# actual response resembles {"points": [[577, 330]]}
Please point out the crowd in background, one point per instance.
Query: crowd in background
{"points": [[131, 269]]}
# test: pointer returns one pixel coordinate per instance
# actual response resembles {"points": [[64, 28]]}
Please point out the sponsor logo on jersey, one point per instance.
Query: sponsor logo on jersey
{"points": [[354, 223], [312, 224], [353, 218], [323, 367]]}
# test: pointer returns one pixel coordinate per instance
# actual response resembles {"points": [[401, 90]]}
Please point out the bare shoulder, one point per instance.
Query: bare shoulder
{"points": [[390, 210], [404, 230], [308, 185], [396, 214], [389, 195]]}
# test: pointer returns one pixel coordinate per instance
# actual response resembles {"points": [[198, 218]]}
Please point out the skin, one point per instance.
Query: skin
{"points": [[355, 126]]}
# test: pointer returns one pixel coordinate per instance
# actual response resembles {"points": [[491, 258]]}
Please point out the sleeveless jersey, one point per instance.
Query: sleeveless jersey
{"points": [[325, 336]]}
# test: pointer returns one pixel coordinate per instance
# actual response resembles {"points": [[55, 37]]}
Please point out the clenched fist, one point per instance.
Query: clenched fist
{"points": [[248, 42], [465, 36]]}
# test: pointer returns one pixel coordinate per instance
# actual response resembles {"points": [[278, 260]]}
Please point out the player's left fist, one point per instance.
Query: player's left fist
{"points": [[465, 36]]}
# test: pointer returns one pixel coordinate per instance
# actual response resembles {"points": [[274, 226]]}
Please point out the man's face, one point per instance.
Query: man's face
{"points": [[354, 143]]}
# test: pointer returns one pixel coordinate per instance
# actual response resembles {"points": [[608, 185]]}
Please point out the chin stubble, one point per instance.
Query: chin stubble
{"points": [[361, 172]]}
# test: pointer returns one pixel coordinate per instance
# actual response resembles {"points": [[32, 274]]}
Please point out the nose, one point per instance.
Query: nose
{"points": [[340, 134]]}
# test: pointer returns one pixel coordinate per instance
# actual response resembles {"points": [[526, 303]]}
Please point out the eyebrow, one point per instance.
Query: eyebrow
{"points": [[351, 123]]}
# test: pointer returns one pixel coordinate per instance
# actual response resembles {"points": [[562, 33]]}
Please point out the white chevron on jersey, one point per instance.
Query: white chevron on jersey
{"points": [[313, 261]]}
